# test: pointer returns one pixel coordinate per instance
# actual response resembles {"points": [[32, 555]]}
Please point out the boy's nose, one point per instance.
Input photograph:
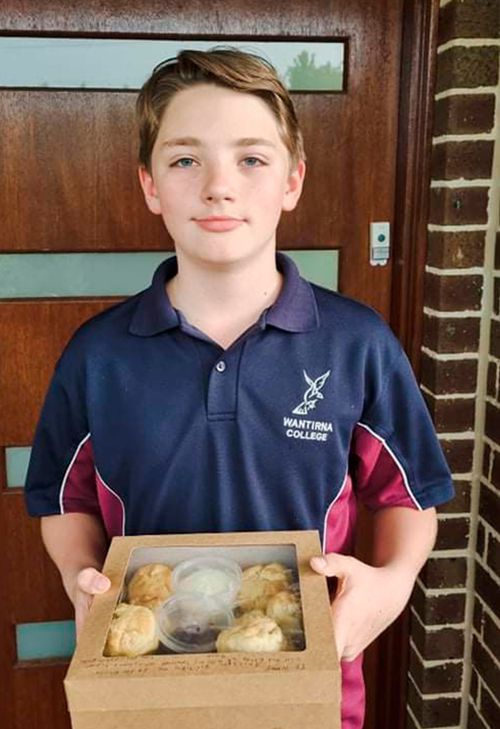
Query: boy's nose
{"points": [[217, 185]]}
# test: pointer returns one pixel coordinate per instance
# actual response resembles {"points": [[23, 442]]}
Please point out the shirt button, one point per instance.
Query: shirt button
{"points": [[220, 366]]}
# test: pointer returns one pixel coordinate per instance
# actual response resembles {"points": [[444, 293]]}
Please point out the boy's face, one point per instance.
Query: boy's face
{"points": [[220, 175]]}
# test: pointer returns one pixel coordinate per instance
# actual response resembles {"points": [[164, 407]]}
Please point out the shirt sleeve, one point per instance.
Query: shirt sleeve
{"points": [[61, 475], [396, 458]]}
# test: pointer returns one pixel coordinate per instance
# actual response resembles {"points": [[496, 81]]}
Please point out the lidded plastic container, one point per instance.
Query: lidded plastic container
{"points": [[190, 622], [210, 577]]}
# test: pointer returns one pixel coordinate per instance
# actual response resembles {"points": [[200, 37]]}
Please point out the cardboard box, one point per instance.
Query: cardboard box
{"points": [[285, 690]]}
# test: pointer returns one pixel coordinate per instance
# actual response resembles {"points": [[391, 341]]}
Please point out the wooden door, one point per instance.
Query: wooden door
{"points": [[69, 185]]}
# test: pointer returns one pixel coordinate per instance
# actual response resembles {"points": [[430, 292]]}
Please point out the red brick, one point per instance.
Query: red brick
{"points": [[464, 114], [458, 454], [441, 712], [453, 533], [486, 588], [448, 376], [444, 679], [470, 160], [438, 609], [493, 553], [496, 296], [453, 415], [489, 706], [458, 205], [487, 462], [495, 338], [449, 335], [492, 425], [489, 506], [436, 645], [493, 380], [474, 686], [461, 503], [478, 616], [491, 635], [444, 572], [467, 68], [485, 664], [456, 249], [495, 471], [453, 293], [468, 19], [480, 540]]}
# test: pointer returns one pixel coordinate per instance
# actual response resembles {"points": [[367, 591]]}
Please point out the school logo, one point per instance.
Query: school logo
{"points": [[302, 429], [312, 394]]}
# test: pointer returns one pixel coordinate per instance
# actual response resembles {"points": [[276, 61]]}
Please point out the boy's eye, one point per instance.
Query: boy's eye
{"points": [[252, 162], [183, 162]]}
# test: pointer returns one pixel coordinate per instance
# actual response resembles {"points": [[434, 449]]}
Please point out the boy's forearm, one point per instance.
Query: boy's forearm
{"points": [[74, 541], [403, 538]]}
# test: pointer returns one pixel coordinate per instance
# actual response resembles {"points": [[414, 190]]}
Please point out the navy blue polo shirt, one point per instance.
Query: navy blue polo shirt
{"points": [[154, 427]]}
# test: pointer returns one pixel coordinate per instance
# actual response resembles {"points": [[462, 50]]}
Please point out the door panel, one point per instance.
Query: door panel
{"points": [[33, 334], [88, 180], [69, 184]]}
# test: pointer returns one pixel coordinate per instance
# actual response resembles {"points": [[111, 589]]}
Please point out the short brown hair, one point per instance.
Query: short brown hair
{"points": [[221, 66]]}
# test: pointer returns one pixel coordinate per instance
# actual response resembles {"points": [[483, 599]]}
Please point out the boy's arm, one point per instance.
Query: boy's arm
{"points": [[369, 598], [77, 544]]}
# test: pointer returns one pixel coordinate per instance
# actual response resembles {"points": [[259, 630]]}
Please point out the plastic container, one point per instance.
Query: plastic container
{"points": [[190, 623], [211, 577]]}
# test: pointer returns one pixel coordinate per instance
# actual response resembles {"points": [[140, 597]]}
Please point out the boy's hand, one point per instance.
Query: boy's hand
{"points": [[367, 601], [88, 582]]}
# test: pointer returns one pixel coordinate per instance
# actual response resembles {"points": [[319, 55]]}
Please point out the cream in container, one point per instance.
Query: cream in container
{"points": [[212, 577]]}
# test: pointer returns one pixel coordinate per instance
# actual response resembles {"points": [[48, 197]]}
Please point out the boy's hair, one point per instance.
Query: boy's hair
{"points": [[227, 67]]}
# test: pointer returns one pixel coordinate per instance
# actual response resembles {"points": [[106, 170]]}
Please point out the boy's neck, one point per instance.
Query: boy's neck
{"points": [[224, 301]]}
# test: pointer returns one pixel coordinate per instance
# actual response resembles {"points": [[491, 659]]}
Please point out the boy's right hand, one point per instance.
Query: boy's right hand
{"points": [[88, 582]]}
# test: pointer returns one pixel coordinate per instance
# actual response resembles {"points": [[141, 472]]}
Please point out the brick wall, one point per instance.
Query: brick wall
{"points": [[455, 640]]}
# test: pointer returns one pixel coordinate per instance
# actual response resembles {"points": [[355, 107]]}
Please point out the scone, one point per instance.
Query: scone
{"points": [[284, 608], [150, 586], [261, 634], [247, 618], [132, 632], [259, 583]]}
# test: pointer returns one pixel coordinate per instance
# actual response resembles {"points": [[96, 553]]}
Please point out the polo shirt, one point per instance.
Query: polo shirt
{"points": [[154, 427]]}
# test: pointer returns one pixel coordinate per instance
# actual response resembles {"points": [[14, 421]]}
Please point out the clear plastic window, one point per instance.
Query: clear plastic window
{"points": [[210, 599]]}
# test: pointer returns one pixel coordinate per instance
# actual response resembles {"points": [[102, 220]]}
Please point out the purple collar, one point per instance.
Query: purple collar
{"points": [[295, 310]]}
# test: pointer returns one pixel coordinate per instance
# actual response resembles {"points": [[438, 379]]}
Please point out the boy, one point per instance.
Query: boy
{"points": [[233, 395]]}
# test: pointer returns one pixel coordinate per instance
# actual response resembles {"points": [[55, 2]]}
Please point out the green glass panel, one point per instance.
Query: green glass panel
{"points": [[33, 275], [320, 267], [16, 460], [45, 640], [125, 63], [36, 275]]}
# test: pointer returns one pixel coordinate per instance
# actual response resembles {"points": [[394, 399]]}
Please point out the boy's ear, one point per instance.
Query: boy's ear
{"points": [[294, 186], [149, 190]]}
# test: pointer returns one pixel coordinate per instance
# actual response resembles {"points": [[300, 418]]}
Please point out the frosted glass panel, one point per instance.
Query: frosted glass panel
{"points": [[17, 460], [320, 267], [36, 275], [125, 64], [45, 640], [29, 275]]}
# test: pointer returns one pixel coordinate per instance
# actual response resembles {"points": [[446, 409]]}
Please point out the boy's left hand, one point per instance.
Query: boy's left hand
{"points": [[367, 601]]}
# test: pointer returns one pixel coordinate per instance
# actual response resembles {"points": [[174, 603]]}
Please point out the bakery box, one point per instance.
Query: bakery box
{"points": [[291, 687]]}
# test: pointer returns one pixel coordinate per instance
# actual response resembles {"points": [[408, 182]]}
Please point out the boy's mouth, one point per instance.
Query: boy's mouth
{"points": [[219, 223]]}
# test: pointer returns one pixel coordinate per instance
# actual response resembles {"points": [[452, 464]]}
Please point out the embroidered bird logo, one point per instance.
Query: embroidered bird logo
{"points": [[312, 394]]}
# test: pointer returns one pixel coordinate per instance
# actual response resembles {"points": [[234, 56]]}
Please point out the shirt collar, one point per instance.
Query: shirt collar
{"points": [[295, 309]]}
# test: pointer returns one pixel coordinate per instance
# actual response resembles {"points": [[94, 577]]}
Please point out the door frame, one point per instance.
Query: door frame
{"points": [[409, 249], [409, 235]]}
